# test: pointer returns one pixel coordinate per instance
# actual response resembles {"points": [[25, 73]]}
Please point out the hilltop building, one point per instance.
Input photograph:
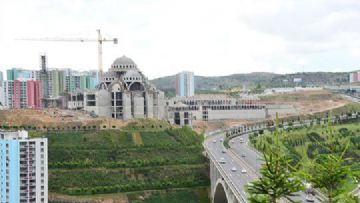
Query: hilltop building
{"points": [[23, 168], [184, 84], [125, 93]]}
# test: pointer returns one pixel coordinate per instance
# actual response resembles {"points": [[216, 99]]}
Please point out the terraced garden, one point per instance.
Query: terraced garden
{"points": [[131, 161]]}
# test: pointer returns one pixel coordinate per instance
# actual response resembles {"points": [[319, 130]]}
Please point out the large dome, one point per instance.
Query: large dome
{"points": [[124, 61]]}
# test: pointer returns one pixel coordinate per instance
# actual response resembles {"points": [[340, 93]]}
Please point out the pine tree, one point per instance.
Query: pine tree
{"points": [[329, 173], [276, 181]]}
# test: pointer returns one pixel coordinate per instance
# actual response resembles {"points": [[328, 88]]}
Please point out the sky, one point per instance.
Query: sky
{"points": [[164, 37]]}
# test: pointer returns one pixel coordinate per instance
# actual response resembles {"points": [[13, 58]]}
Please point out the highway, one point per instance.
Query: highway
{"points": [[239, 179], [253, 159], [234, 157], [242, 156]]}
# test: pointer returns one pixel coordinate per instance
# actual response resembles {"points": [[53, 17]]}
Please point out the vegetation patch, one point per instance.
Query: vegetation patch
{"points": [[132, 159], [304, 145], [197, 195], [137, 139]]}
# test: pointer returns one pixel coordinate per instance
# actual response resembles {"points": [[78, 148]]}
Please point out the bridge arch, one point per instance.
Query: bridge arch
{"points": [[220, 193]]}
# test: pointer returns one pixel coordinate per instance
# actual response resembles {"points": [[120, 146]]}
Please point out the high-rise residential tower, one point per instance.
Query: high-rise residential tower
{"points": [[185, 84], [23, 168], [21, 94], [21, 74]]}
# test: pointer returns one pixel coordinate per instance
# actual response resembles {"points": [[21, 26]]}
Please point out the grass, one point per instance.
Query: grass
{"points": [[197, 195], [152, 138]]}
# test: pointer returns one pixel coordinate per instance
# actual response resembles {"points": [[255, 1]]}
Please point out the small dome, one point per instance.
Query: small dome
{"points": [[132, 75]]}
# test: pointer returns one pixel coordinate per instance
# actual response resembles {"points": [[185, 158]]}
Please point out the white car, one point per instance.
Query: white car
{"points": [[221, 140], [243, 155], [214, 141], [243, 171], [242, 140], [232, 141], [222, 160], [223, 151], [233, 169], [310, 198]]}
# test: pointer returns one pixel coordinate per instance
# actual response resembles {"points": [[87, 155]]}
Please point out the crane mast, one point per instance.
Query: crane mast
{"points": [[100, 74]]}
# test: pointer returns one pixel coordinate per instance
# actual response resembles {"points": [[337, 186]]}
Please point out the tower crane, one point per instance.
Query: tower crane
{"points": [[99, 40]]}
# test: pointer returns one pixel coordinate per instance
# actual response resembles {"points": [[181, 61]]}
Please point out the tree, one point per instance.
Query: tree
{"points": [[276, 181], [329, 172]]}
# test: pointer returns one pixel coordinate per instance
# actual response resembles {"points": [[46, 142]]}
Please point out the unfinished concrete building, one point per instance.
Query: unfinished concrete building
{"points": [[182, 110], [125, 93]]}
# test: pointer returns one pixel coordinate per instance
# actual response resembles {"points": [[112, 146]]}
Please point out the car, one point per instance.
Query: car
{"points": [[233, 169], [243, 155], [242, 140], [221, 140], [310, 198], [223, 151], [232, 141], [243, 171], [222, 160], [214, 141]]}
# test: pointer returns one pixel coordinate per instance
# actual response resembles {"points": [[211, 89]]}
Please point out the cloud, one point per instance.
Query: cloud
{"points": [[167, 36]]}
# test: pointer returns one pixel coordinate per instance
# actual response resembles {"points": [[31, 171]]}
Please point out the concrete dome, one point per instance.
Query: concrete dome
{"points": [[122, 64], [132, 75], [123, 61]]}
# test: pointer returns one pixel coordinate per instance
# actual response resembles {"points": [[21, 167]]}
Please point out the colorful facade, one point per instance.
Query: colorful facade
{"points": [[20, 74], [22, 94], [80, 82]]}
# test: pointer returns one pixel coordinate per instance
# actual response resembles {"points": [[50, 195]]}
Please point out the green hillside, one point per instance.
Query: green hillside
{"points": [[136, 158], [203, 83]]}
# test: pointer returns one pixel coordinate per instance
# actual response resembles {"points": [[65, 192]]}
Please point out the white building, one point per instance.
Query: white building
{"points": [[23, 168]]}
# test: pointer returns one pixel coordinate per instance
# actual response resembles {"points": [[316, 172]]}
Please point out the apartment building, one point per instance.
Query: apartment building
{"points": [[18, 94], [23, 168]]}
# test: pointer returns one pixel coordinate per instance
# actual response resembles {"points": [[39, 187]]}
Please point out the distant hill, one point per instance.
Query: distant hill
{"points": [[203, 83]]}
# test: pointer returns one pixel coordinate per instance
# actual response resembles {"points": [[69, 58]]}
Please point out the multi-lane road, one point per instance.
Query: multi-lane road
{"points": [[228, 162], [241, 157]]}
